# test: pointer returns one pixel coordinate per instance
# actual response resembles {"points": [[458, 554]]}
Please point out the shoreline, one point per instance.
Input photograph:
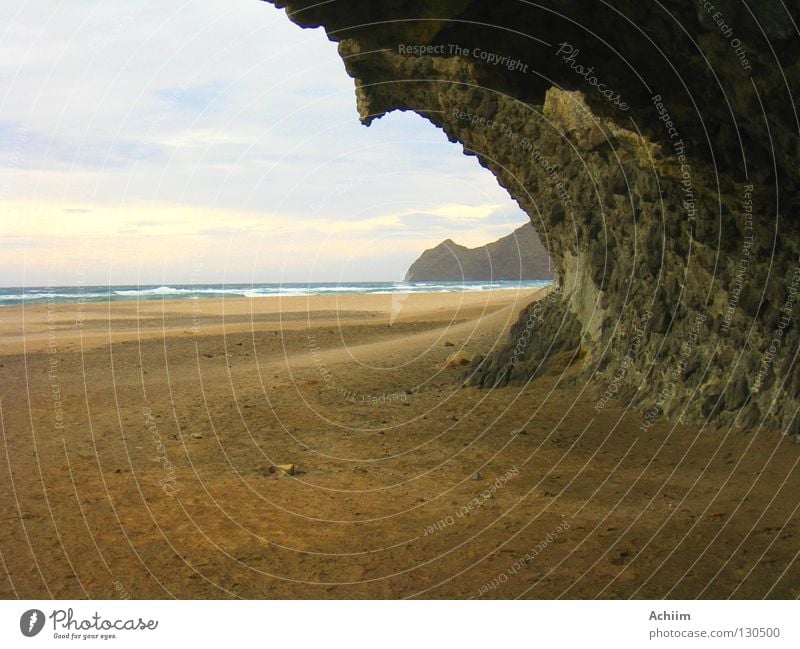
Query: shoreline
{"points": [[77, 325], [13, 296]]}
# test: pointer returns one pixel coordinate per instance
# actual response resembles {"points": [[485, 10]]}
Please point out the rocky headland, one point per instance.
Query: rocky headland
{"points": [[516, 256]]}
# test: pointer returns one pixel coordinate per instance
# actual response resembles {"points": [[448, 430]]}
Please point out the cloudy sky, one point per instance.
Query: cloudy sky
{"points": [[211, 141]]}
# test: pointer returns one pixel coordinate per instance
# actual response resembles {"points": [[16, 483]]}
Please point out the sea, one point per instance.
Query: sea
{"points": [[37, 294]]}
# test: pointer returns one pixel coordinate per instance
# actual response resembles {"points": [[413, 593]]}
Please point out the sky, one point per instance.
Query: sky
{"points": [[211, 141]]}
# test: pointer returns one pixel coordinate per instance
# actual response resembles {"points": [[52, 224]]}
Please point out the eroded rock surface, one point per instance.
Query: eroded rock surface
{"points": [[655, 148]]}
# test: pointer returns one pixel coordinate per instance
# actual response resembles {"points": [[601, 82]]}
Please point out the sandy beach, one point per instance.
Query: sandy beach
{"points": [[141, 440]]}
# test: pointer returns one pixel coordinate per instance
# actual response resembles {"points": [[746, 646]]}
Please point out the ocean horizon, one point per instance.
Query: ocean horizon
{"points": [[10, 296]]}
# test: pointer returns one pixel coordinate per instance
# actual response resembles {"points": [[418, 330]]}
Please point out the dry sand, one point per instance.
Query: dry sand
{"points": [[138, 441]]}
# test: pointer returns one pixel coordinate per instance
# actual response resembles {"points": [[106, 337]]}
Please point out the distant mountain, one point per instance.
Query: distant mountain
{"points": [[519, 255]]}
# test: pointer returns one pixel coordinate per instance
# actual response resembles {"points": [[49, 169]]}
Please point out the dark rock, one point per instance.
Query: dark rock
{"points": [[520, 255], [634, 225]]}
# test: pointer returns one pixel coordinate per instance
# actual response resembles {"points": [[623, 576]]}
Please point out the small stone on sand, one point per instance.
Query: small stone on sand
{"points": [[286, 468], [459, 359]]}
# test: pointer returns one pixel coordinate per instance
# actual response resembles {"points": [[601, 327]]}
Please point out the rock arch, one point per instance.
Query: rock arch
{"points": [[654, 146]]}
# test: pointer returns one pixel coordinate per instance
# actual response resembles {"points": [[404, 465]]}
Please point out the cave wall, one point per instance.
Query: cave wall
{"points": [[655, 147]]}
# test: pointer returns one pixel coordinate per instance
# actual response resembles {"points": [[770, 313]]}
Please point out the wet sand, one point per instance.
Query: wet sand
{"points": [[140, 442]]}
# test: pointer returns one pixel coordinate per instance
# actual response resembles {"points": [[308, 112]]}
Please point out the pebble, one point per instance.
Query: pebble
{"points": [[286, 468]]}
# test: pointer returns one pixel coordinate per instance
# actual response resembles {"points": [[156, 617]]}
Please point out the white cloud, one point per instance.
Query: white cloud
{"points": [[460, 212], [214, 125]]}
